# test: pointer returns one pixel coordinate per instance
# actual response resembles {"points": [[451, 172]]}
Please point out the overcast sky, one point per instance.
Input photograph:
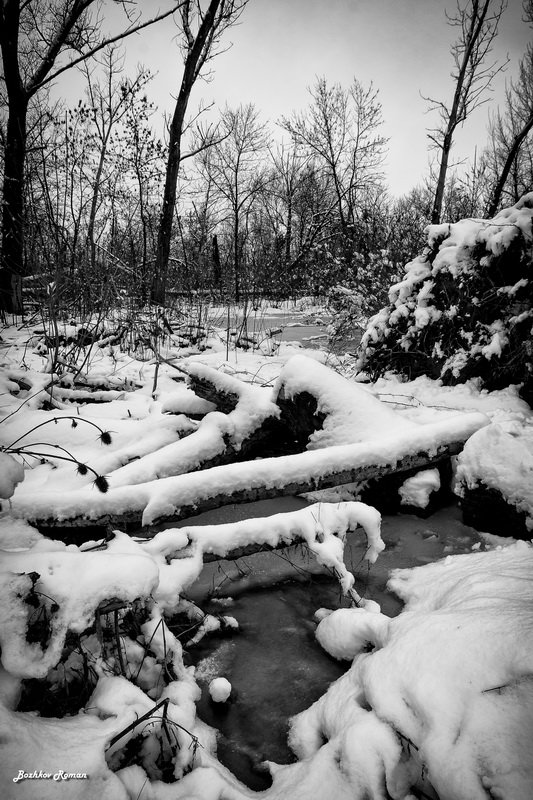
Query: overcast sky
{"points": [[280, 46]]}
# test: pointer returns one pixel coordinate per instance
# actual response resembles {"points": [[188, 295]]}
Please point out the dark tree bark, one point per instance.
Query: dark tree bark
{"points": [[14, 154], [11, 270]]}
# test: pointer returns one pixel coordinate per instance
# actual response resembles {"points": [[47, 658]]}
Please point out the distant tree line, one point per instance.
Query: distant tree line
{"points": [[238, 206]]}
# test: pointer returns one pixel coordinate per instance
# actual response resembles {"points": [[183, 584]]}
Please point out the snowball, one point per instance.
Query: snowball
{"points": [[220, 690]]}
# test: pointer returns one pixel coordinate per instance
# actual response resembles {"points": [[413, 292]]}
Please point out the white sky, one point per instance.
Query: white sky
{"points": [[280, 46]]}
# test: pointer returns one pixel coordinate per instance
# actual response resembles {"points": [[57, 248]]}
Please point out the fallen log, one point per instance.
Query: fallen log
{"points": [[350, 436], [187, 495]]}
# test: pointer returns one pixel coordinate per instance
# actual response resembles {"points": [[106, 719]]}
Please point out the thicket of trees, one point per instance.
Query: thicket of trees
{"points": [[241, 205]]}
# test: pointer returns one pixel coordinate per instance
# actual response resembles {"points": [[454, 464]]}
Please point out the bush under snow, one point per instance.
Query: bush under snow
{"points": [[464, 307]]}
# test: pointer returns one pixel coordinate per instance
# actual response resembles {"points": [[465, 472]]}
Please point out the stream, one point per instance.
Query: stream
{"points": [[273, 661]]}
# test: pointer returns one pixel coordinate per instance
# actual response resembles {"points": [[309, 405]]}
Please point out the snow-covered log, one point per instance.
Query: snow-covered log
{"points": [[181, 496]]}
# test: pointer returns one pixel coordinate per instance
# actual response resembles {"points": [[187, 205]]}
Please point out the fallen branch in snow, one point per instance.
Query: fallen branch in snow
{"points": [[194, 493], [349, 436]]}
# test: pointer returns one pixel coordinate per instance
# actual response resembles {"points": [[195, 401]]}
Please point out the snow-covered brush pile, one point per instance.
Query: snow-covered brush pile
{"points": [[464, 308]]}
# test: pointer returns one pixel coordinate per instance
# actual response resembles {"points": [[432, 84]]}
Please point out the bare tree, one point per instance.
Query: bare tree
{"points": [[473, 73], [110, 100], [38, 42], [235, 166], [201, 33], [289, 174], [510, 132], [341, 129], [298, 206]]}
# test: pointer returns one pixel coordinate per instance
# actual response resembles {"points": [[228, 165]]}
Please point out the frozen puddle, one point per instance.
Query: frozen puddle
{"points": [[274, 663]]}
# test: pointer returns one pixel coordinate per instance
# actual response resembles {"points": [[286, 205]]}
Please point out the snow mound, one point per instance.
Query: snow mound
{"points": [[500, 457], [347, 631], [445, 695], [416, 491], [352, 412]]}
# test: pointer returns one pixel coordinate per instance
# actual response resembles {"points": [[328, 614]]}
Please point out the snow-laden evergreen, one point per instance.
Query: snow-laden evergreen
{"points": [[464, 307]]}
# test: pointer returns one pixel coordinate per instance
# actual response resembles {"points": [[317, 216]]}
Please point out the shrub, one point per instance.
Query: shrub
{"points": [[464, 308]]}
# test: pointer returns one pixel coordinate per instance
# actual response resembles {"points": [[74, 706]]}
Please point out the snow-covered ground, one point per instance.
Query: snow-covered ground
{"points": [[437, 701]]}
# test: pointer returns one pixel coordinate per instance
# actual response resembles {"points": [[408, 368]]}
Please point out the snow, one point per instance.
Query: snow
{"points": [[438, 698], [416, 491], [346, 631], [220, 690], [77, 582], [32, 743], [501, 457], [449, 677], [11, 474], [359, 431], [354, 414], [157, 499]]}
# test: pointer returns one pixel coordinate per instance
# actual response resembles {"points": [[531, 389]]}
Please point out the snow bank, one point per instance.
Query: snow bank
{"points": [[500, 457], [76, 582], [449, 680]]}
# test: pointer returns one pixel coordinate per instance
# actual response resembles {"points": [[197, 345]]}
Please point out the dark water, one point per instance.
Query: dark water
{"points": [[273, 662], [276, 669]]}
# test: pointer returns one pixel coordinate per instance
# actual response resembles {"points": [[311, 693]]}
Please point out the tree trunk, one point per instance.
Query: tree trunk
{"points": [[441, 182], [12, 265], [164, 235], [288, 235], [510, 160], [198, 51], [12, 259], [236, 264]]}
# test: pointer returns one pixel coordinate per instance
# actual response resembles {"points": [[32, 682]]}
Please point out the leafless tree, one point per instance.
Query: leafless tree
{"points": [[38, 42], [473, 74], [341, 130], [109, 99], [511, 150], [201, 31], [235, 167]]}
